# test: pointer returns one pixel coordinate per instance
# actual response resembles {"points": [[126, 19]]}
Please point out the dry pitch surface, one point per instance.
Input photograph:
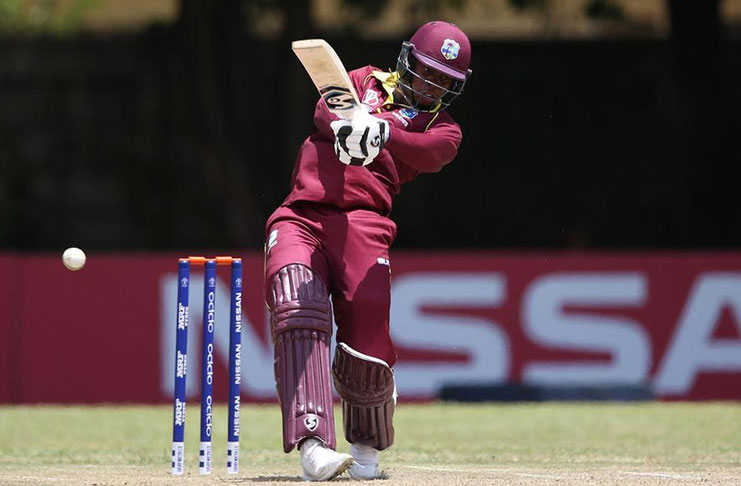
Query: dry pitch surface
{"points": [[439, 444]]}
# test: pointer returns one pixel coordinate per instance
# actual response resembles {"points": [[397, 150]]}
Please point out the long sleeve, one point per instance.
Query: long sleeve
{"points": [[323, 117], [427, 151]]}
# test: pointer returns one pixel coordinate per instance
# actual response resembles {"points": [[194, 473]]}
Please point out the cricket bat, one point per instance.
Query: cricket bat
{"points": [[329, 76]]}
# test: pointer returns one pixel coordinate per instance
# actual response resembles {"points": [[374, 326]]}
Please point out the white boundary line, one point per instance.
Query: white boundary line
{"points": [[547, 476], [657, 475]]}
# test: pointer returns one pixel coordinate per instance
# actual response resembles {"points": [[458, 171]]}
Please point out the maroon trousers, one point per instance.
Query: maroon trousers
{"points": [[349, 251]]}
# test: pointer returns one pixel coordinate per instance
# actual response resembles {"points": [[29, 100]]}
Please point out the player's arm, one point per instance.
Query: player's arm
{"points": [[428, 151], [323, 117]]}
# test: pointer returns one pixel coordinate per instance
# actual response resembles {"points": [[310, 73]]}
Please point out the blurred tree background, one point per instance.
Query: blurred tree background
{"points": [[587, 123]]}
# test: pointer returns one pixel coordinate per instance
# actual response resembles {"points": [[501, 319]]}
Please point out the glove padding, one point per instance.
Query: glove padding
{"points": [[360, 140]]}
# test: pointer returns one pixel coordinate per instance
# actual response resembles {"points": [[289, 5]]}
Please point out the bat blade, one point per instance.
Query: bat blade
{"points": [[329, 76]]}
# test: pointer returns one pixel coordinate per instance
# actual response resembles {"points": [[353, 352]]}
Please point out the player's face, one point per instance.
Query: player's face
{"points": [[430, 94]]}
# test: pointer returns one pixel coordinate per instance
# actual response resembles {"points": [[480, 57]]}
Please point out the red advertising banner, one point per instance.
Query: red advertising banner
{"points": [[670, 322]]}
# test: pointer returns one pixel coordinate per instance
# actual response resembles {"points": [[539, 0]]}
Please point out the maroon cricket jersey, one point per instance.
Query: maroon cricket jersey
{"points": [[418, 142]]}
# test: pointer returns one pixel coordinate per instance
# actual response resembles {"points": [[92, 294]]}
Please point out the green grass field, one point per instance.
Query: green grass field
{"points": [[438, 444]]}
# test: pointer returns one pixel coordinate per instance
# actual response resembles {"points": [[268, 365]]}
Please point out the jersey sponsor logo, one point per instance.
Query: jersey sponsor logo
{"points": [[403, 120], [450, 49], [408, 112], [371, 98]]}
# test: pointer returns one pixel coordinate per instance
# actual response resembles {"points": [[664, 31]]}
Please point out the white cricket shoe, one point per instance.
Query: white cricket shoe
{"points": [[321, 463], [365, 463]]}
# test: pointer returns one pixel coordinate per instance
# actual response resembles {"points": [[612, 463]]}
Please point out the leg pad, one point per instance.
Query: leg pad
{"points": [[302, 329], [366, 386]]}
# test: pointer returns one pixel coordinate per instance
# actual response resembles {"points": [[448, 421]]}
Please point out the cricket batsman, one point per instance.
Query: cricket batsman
{"points": [[327, 250]]}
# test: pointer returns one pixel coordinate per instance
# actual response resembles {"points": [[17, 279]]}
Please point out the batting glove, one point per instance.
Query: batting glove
{"points": [[359, 141]]}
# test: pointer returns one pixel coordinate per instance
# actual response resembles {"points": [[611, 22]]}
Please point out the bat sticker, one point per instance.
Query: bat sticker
{"points": [[338, 98]]}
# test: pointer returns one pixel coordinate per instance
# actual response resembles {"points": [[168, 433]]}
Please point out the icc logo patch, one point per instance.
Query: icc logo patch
{"points": [[450, 49]]}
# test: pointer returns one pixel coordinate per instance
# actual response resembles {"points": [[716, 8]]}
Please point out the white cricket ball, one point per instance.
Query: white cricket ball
{"points": [[73, 258]]}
